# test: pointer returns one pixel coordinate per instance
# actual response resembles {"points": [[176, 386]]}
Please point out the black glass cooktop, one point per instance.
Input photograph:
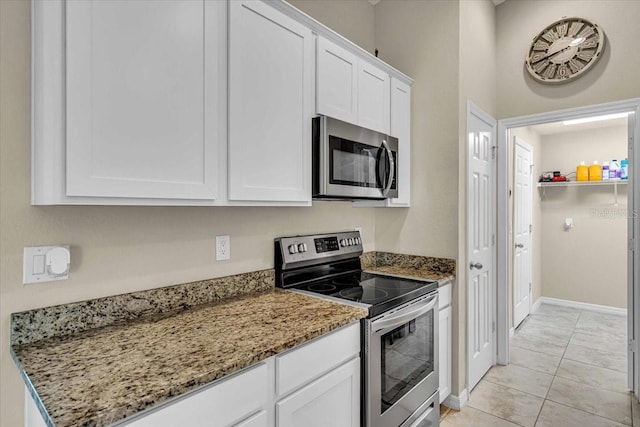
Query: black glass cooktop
{"points": [[379, 291]]}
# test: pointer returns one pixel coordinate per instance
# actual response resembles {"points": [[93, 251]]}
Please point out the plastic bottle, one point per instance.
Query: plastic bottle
{"points": [[582, 172], [595, 172], [605, 171], [624, 169], [614, 170]]}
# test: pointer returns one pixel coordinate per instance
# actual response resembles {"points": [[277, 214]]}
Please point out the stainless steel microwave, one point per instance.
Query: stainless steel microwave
{"points": [[351, 162]]}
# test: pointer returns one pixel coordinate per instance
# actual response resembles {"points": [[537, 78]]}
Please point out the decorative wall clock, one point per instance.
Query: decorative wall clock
{"points": [[565, 50]]}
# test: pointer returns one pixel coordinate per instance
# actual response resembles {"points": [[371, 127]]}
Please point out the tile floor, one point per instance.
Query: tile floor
{"points": [[568, 369]]}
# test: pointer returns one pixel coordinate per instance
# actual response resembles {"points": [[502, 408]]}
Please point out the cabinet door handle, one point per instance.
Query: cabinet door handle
{"points": [[519, 245], [475, 265]]}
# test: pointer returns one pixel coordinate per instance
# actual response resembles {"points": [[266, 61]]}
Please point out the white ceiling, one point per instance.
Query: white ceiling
{"points": [[558, 127]]}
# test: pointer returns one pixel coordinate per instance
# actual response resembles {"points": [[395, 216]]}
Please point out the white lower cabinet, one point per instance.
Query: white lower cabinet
{"points": [[315, 384], [331, 400], [222, 404], [445, 340], [261, 419]]}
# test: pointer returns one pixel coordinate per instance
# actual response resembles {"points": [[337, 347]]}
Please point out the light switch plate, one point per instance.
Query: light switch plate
{"points": [[34, 269]]}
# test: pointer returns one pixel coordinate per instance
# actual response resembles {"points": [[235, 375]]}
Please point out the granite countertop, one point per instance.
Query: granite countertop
{"points": [[441, 270], [101, 376]]}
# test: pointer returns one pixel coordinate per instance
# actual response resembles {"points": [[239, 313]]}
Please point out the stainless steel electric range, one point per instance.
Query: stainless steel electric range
{"points": [[399, 336]]}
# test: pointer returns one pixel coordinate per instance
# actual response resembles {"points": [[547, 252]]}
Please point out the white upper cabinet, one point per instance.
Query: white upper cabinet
{"points": [[129, 102], [337, 82], [191, 102], [351, 89], [142, 91], [401, 129], [373, 98], [270, 104]]}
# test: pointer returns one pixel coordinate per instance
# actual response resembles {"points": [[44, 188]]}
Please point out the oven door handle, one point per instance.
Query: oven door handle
{"points": [[399, 319], [392, 169]]}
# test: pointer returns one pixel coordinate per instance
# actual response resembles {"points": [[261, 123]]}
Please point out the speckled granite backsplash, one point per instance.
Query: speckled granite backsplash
{"points": [[381, 259], [34, 325], [440, 269]]}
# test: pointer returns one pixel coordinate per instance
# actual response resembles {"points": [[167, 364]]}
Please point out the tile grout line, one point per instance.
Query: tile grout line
{"points": [[587, 412], [496, 416], [555, 375]]}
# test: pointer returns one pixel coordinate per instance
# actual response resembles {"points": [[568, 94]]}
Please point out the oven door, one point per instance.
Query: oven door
{"points": [[353, 162], [401, 362]]}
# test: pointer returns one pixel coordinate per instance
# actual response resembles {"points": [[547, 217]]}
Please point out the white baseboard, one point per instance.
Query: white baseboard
{"points": [[536, 305], [579, 305], [457, 402]]}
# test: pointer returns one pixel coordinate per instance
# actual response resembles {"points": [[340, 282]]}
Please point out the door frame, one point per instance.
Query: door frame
{"points": [[519, 141], [474, 110], [633, 307]]}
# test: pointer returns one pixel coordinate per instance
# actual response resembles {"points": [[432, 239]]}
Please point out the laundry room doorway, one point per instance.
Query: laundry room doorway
{"points": [[551, 226]]}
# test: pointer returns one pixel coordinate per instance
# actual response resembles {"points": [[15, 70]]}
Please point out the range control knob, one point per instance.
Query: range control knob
{"points": [[293, 249], [302, 247], [351, 242], [343, 243], [357, 239]]}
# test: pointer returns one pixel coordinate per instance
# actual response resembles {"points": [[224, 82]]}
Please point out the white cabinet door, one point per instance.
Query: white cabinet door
{"points": [[331, 400], [270, 104], [374, 92], [143, 98], [337, 82], [444, 362], [401, 129]]}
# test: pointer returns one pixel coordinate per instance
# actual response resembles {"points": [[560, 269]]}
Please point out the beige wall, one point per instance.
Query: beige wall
{"points": [[614, 78], [531, 137], [410, 35], [589, 262], [352, 19], [123, 249], [448, 48]]}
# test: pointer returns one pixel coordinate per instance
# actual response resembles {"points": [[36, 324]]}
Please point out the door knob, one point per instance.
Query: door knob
{"points": [[519, 245], [475, 265]]}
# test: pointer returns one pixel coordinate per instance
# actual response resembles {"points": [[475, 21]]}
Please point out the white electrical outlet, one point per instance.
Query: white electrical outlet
{"points": [[223, 248]]}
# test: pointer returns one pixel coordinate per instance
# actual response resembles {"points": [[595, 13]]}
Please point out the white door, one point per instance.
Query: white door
{"points": [[270, 104], [337, 82], [522, 254], [374, 93], [143, 98], [331, 400], [481, 289]]}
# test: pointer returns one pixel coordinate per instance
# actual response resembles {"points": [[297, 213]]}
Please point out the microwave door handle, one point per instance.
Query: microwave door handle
{"points": [[392, 169], [403, 317]]}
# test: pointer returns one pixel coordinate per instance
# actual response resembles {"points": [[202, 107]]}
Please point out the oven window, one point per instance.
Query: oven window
{"points": [[407, 358]]}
